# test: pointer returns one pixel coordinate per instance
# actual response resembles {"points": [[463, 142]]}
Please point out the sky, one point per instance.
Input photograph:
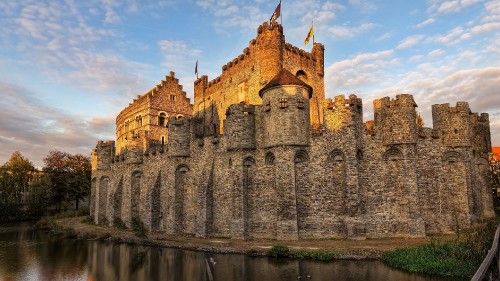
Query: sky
{"points": [[69, 67]]}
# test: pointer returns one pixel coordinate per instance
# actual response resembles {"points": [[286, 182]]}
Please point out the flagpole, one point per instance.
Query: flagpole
{"points": [[281, 18]]}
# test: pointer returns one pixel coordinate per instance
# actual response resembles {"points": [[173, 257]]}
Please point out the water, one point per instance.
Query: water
{"points": [[26, 254]]}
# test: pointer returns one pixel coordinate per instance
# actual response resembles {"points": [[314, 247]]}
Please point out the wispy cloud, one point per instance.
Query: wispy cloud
{"points": [[410, 41], [42, 129], [450, 6], [426, 22], [358, 72], [345, 32]]}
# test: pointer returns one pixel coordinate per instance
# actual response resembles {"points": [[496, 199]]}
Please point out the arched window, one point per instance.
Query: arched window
{"points": [[301, 156], [301, 75], [161, 119], [270, 159]]}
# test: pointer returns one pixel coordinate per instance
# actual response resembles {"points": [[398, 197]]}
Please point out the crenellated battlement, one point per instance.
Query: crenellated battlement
{"points": [[343, 112]]}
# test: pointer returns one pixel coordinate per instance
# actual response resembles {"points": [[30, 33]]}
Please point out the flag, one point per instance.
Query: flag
{"points": [[277, 12], [196, 70], [309, 35]]}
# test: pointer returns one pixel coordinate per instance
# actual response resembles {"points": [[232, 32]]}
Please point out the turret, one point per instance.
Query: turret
{"points": [[269, 49], [239, 127], [344, 113], [286, 110], [179, 136], [453, 123], [481, 132], [103, 155], [318, 52], [396, 119]]}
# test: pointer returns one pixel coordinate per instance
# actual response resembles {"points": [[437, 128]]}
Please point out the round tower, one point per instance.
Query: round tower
{"points": [[453, 123], [239, 127], [396, 119], [285, 102]]}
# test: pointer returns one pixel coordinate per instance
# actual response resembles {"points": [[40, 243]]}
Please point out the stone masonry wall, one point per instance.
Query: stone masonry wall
{"points": [[295, 192]]}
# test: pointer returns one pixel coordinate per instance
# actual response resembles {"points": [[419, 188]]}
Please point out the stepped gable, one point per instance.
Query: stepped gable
{"points": [[285, 77]]}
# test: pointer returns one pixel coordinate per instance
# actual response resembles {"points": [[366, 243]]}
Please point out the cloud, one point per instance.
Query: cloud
{"points": [[426, 22], [410, 41], [34, 127], [358, 72], [364, 5], [436, 53], [345, 32], [450, 6], [229, 15]]}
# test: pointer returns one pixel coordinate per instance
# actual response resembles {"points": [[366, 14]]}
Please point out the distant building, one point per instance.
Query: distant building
{"points": [[263, 154]]}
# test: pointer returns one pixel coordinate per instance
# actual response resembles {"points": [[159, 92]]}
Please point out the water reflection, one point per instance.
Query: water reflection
{"points": [[125, 262], [30, 255]]}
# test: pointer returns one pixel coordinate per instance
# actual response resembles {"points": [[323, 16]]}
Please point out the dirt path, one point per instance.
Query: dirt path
{"points": [[345, 249]]}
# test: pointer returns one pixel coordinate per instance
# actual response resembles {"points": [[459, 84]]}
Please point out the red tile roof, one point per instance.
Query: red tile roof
{"points": [[285, 77]]}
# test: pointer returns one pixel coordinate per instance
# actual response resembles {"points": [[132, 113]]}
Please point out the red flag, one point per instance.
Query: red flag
{"points": [[276, 13]]}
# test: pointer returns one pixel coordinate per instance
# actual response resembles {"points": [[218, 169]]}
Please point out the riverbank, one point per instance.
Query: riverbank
{"points": [[343, 249]]}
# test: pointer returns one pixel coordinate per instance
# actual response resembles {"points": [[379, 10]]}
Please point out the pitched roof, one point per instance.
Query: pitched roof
{"points": [[283, 78]]}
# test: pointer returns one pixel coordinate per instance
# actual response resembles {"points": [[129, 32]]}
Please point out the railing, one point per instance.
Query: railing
{"points": [[490, 267]]}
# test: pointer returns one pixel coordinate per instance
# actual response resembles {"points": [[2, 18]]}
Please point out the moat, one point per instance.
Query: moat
{"points": [[27, 254]]}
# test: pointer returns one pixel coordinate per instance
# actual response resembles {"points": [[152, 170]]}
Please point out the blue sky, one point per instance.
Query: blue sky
{"points": [[68, 67]]}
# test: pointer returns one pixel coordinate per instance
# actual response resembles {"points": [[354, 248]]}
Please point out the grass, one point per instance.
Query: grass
{"points": [[459, 258], [280, 251]]}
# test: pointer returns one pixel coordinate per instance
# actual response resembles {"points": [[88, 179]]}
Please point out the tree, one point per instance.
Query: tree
{"points": [[69, 177], [57, 170], [15, 180], [80, 170], [16, 175]]}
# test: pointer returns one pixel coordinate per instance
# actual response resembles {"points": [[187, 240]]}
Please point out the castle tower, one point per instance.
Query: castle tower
{"points": [[269, 50], [179, 136], [286, 110], [342, 113], [102, 155], [453, 123], [396, 119], [240, 127]]}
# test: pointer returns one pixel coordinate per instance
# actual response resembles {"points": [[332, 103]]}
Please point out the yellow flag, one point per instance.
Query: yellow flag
{"points": [[309, 35]]}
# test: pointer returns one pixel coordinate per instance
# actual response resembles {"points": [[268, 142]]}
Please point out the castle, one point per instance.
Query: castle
{"points": [[261, 154]]}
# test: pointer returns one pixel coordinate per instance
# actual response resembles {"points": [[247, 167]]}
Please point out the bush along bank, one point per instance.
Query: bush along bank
{"points": [[459, 258], [280, 251]]}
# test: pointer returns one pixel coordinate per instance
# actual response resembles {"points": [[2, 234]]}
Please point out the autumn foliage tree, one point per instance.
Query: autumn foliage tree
{"points": [[69, 177], [15, 177]]}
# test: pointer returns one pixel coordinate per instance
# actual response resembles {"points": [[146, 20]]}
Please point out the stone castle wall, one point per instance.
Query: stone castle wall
{"points": [[253, 161], [335, 185]]}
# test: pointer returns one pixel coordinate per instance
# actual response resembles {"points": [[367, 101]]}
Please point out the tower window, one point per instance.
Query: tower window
{"points": [[161, 119], [300, 103], [172, 98], [267, 106], [283, 103]]}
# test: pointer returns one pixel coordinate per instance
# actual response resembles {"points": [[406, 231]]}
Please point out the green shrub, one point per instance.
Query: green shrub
{"points": [[139, 228], [118, 223], [280, 251], [459, 258]]}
